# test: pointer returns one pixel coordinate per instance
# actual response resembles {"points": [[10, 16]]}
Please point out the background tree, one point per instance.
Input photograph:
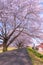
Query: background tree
{"points": [[19, 43]]}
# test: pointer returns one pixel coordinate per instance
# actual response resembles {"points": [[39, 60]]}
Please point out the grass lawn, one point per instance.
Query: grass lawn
{"points": [[36, 57], [9, 48]]}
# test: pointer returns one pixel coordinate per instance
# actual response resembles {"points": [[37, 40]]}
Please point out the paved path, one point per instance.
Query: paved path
{"points": [[15, 57]]}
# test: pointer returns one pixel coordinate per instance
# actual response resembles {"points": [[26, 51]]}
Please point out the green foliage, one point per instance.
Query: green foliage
{"points": [[35, 52]]}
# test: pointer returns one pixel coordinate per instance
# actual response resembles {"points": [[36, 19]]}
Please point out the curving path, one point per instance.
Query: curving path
{"points": [[15, 57]]}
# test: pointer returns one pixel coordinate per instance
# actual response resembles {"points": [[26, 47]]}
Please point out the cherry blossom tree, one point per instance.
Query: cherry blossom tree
{"points": [[19, 17]]}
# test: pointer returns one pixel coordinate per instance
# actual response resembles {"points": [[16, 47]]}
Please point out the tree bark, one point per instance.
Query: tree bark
{"points": [[4, 47]]}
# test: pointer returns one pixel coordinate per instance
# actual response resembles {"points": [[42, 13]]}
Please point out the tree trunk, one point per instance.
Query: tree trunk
{"points": [[4, 47]]}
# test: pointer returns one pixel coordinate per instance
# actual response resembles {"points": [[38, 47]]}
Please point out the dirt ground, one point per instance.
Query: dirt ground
{"points": [[15, 57]]}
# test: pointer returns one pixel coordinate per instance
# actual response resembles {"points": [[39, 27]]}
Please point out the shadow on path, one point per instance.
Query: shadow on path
{"points": [[15, 57]]}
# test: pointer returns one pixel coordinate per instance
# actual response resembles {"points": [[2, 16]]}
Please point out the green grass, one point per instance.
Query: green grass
{"points": [[36, 57], [35, 53]]}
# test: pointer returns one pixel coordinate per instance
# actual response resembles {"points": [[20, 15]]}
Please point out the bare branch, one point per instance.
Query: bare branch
{"points": [[13, 32], [14, 37]]}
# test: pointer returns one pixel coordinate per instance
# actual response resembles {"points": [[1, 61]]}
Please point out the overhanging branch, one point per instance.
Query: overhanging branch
{"points": [[15, 37]]}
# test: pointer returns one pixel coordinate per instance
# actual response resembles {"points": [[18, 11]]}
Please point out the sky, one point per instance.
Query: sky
{"points": [[41, 4]]}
